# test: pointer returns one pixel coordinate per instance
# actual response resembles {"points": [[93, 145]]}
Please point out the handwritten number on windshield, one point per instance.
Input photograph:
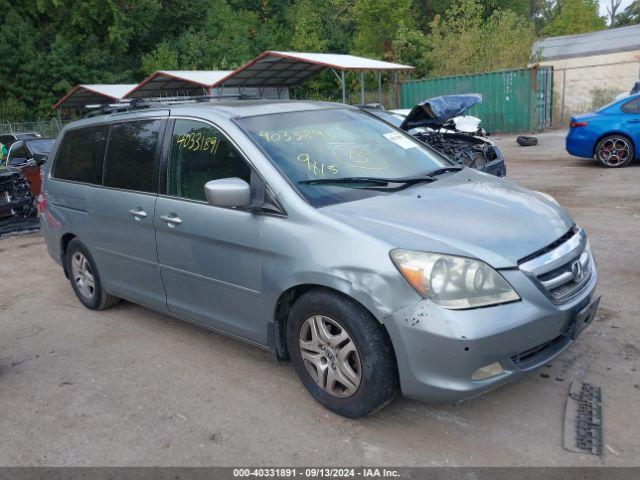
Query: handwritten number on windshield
{"points": [[292, 135], [318, 169]]}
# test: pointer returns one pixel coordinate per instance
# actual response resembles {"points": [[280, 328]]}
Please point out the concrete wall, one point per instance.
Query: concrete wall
{"points": [[575, 81]]}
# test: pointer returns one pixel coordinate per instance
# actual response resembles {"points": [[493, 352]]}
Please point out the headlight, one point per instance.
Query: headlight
{"points": [[453, 282]]}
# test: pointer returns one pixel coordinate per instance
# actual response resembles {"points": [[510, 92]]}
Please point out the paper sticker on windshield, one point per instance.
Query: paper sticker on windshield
{"points": [[399, 140]]}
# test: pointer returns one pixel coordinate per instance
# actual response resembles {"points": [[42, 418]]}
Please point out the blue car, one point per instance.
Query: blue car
{"points": [[611, 134]]}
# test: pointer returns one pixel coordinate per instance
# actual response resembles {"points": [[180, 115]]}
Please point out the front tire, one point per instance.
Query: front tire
{"points": [[615, 151], [85, 279], [342, 354]]}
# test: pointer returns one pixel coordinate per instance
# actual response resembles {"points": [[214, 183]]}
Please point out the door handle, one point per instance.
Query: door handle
{"points": [[138, 213], [172, 220]]}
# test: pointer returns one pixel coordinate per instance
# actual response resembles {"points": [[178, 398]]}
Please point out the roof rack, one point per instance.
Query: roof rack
{"points": [[160, 102], [134, 104]]}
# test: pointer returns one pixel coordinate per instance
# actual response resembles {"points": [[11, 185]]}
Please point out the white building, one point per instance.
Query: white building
{"points": [[589, 69]]}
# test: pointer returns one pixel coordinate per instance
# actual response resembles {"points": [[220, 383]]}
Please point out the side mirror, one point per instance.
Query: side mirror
{"points": [[228, 192]]}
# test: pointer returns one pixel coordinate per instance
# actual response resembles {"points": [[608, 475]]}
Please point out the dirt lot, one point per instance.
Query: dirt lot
{"points": [[129, 386]]}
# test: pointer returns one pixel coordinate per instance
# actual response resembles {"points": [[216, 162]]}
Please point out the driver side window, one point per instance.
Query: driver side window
{"points": [[200, 153]]}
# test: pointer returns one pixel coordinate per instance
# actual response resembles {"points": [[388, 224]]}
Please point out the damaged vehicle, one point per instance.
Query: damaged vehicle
{"points": [[441, 123], [16, 197], [325, 236], [28, 157]]}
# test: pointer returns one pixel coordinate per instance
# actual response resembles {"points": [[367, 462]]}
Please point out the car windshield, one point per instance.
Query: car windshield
{"points": [[41, 147], [338, 144]]}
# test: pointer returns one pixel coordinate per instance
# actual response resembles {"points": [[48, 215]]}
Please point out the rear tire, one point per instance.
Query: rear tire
{"points": [[342, 354], [85, 279], [615, 151]]}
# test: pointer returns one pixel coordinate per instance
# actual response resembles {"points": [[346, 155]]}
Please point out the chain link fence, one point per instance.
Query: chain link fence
{"points": [[47, 128]]}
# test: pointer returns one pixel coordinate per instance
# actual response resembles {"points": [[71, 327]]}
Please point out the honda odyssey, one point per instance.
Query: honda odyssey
{"points": [[327, 236]]}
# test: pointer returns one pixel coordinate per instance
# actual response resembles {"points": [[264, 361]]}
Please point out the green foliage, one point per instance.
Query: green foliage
{"points": [[574, 16], [321, 26], [601, 96], [465, 42], [629, 16], [48, 46], [11, 110], [377, 23]]}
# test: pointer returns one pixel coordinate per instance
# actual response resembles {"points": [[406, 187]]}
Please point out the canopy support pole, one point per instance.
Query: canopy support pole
{"points": [[380, 87], [395, 90], [342, 83], [362, 87]]}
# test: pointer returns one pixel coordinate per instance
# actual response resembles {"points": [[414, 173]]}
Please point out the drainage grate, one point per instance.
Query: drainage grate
{"points": [[583, 419]]}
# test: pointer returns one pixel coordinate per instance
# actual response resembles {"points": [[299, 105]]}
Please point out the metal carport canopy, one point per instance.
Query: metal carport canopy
{"points": [[87, 94], [284, 69], [177, 82]]}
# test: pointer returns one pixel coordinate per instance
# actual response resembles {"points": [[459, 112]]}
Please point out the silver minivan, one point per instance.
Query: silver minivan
{"points": [[332, 239]]}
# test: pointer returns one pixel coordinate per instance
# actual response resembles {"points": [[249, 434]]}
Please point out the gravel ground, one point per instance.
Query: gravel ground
{"points": [[129, 386]]}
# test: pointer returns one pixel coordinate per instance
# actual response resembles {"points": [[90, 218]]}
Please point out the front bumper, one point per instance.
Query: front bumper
{"points": [[438, 350]]}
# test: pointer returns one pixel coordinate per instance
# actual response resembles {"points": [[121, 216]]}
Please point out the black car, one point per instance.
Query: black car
{"points": [[34, 148]]}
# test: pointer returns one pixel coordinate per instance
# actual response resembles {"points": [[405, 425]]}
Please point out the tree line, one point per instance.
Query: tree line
{"points": [[48, 46]]}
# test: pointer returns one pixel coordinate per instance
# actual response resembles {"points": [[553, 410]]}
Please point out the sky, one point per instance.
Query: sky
{"points": [[605, 3]]}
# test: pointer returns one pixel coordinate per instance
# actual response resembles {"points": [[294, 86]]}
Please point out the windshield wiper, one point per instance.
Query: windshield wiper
{"points": [[440, 171], [370, 183]]}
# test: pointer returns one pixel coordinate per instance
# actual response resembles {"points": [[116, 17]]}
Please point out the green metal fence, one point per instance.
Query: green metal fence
{"points": [[512, 100]]}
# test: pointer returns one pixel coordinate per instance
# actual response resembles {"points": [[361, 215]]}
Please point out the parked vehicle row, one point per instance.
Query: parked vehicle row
{"points": [[324, 235]]}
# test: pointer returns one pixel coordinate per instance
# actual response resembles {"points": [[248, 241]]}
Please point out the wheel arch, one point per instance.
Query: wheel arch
{"points": [[283, 306], [616, 132], [64, 244]]}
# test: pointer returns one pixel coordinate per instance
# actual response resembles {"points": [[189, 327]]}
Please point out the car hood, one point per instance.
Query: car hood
{"points": [[437, 110], [466, 213]]}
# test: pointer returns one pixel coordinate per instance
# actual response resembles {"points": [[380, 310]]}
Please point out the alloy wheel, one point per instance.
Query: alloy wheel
{"points": [[82, 275], [330, 356], [614, 151]]}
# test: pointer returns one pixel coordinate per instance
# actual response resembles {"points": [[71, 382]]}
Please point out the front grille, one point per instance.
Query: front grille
{"points": [[563, 268], [534, 356]]}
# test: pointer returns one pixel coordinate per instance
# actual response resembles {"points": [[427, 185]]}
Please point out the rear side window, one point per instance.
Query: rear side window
{"points": [[80, 155], [631, 107], [131, 154]]}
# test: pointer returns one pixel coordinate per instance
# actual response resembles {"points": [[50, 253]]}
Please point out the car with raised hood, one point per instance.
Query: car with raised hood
{"points": [[443, 123], [610, 134], [325, 236]]}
